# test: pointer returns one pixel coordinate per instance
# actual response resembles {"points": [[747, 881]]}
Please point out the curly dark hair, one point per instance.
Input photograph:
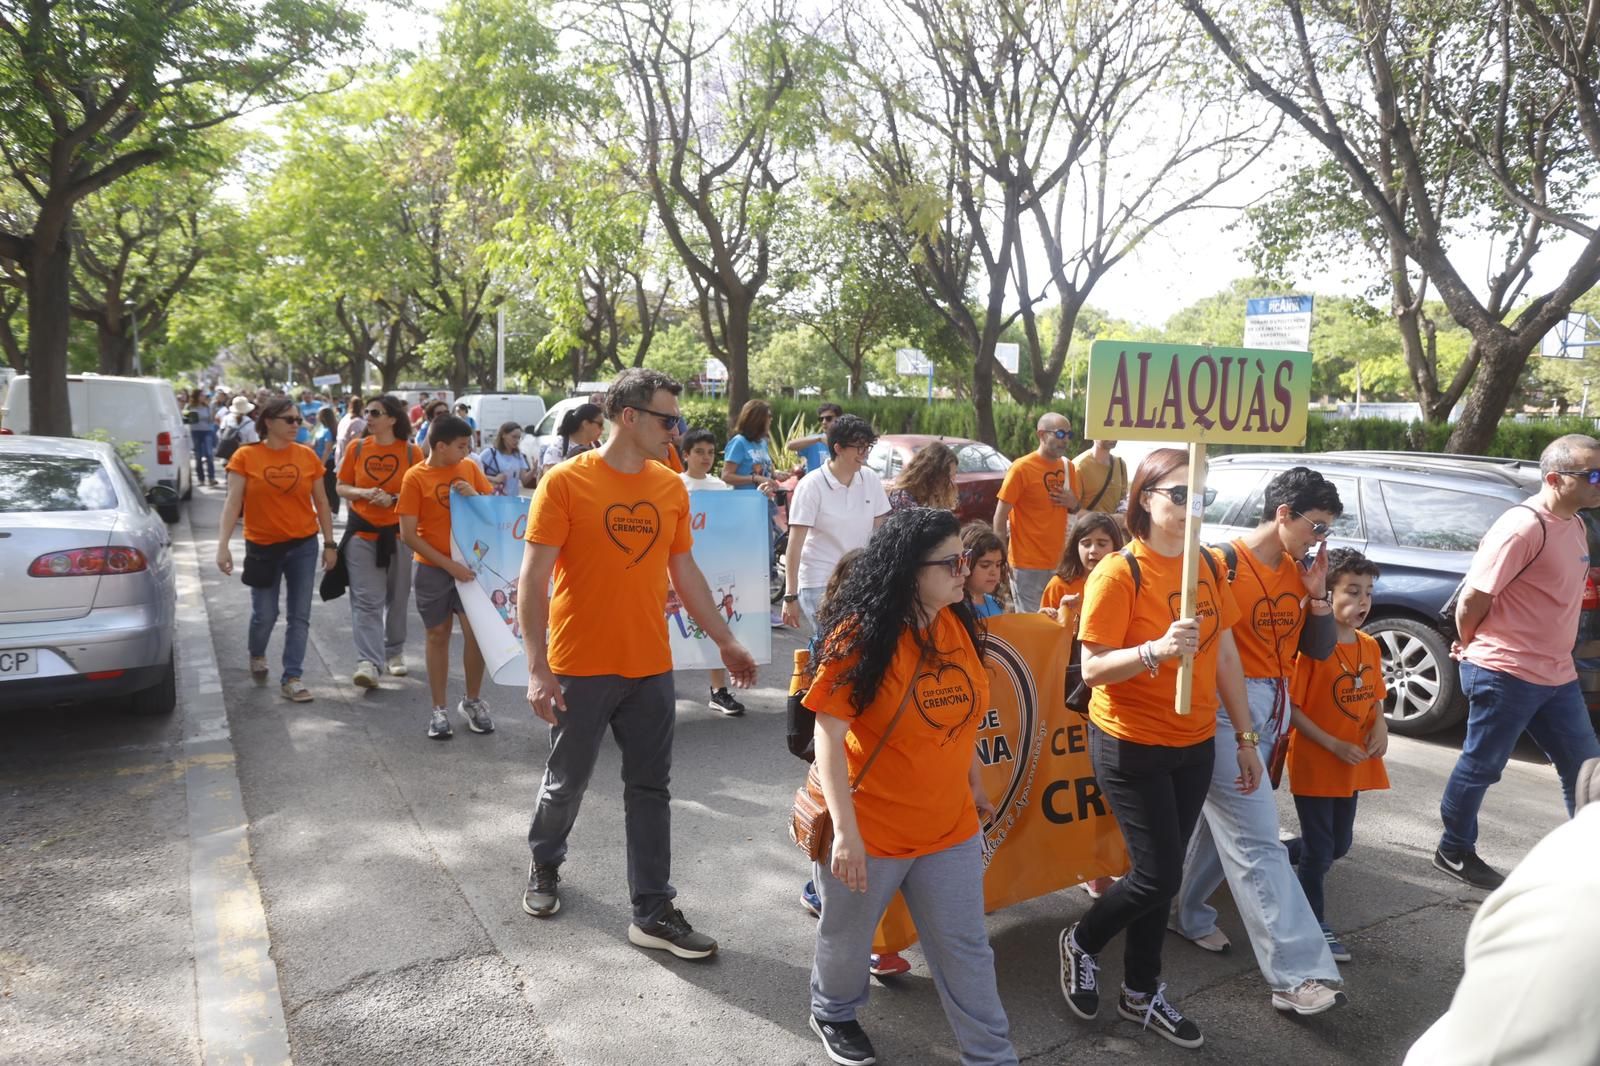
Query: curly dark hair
{"points": [[878, 601], [1349, 561], [1300, 489]]}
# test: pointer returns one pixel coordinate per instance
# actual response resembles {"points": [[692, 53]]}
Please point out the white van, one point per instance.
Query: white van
{"points": [[491, 410], [137, 410]]}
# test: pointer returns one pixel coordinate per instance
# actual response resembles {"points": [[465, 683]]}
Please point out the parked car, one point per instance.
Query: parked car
{"points": [[142, 411], [90, 604], [491, 410], [1420, 517], [536, 438], [979, 469]]}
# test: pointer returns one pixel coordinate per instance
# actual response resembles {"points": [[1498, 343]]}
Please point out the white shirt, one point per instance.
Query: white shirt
{"points": [[247, 427], [351, 426], [700, 484], [839, 516]]}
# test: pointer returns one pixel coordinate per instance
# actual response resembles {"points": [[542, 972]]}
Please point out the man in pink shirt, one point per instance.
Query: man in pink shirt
{"points": [[1518, 619]]}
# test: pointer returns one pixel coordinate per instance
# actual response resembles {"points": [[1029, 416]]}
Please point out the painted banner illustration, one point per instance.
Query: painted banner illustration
{"points": [[1052, 828], [486, 534], [730, 546]]}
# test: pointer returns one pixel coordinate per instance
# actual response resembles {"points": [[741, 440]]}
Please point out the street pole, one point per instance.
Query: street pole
{"points": [[500, 349]]}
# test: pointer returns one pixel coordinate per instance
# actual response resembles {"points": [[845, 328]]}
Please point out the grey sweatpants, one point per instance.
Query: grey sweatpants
{"points": [[1027, 588], [377, 600], [640, 712], [944, 892]]}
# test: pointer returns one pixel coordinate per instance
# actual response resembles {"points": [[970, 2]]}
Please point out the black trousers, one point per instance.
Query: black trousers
{"points": [[1327, 826], [1156, 793]]}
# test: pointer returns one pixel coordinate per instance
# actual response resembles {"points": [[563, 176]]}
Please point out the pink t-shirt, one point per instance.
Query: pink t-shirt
{"points": [[1533, 623]]}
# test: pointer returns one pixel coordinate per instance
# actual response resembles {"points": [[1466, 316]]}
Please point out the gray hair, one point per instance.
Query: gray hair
{"points": [[1558, 454], [636, 387]]}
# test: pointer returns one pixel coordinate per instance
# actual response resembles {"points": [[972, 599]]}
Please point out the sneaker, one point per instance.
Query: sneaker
{"points": [[777, 623], [1154, 1012], [439, 725], [540, 898], [1216, 941], [258, 667], [722, 700], [1308, 997], [1336, 947], [366, 675], [1467, 868], [845, 1042], [1099, 886], [811, 900], [1078, 982], [889, 964], [672, 932], [397, 666], [476, 712], [295, 689]]}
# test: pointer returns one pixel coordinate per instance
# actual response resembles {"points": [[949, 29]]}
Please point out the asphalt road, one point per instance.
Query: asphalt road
{"points": [[390, 869]]}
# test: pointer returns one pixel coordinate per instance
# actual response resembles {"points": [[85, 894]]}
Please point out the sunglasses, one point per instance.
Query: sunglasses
{"points": [[375, 412], [668, 422], [1179, 494], [827, 418], [958, 564], [1322, 529], [1591, 476], [1061, 434], [293, 420]]}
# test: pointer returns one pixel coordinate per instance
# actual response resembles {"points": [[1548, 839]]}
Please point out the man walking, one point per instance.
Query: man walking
{"points": [[1037, 497], [612, 526], [1517, 619], [1103, 476], [813, 447]]}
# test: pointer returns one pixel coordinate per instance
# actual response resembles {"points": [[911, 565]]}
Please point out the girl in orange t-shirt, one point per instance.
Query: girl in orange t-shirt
{"points": [[901, 682], [277, 485], [1153, 765], [1092, 536]]}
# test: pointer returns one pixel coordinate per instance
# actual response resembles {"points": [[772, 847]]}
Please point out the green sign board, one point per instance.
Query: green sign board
{"points": [[1184, 392]]}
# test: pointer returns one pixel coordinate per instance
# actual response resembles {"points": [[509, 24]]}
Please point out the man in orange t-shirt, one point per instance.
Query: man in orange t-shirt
{"points": [[1037, 497], [612, 527]]}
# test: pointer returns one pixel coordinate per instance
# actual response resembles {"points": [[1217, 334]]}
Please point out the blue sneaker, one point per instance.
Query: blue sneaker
{"points": [[1336, 948], [810, 900]]}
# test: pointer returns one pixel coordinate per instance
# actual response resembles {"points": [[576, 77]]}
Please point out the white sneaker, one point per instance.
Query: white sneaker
{"points": [[366, 675], [1215, 941], [397, 666], [1308, 997]]}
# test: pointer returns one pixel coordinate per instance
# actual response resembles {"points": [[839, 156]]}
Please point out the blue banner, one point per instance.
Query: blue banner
{"points": [[730, 547]]}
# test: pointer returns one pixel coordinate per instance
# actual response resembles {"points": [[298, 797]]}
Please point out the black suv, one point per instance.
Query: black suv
{"points": [[1419, 517]]}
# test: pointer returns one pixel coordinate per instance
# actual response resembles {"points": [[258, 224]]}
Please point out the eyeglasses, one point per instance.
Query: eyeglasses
{"points": [[1591, 476], [375, 412], [293, 420], [957, 564], [1322, 529], [1179, 494], [1061, 434], [669, 422]]}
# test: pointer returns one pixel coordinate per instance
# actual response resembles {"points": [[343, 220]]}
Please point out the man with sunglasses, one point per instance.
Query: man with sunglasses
{"points": [[1037, 498], [813, 447], [1516, 620]]}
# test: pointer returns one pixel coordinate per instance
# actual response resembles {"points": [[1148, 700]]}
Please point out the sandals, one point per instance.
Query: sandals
{"points": [[295, 689], [258, 667]]}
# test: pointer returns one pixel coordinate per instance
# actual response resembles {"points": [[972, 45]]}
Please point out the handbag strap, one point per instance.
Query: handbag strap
{"points": [[905, 701]]}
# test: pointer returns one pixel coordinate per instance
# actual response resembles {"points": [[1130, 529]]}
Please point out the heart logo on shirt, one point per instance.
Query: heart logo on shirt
{"points": [[1055, 481], [283, 478], [441, 492], [1205, 612], [944, 698], [634, 528], [1274, 620], [1352, 693], [380, 468]]}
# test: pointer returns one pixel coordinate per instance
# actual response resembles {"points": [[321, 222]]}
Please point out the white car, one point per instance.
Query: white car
{"points": [[535, 440], [491, 410]]}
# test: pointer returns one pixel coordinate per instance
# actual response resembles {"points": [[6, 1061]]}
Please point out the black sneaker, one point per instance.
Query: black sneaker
{"points": [[1467, 868], [672, 932], [845, 1042], [540, 898], [1154, 1012], [722, 700], [1078, 981]]}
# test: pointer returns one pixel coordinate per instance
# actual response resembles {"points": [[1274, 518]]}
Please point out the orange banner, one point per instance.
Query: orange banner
{"points": [[1052, 827]]}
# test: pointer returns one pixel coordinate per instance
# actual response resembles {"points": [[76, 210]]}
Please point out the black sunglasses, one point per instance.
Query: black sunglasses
{"points": [[667, 421], [1591, 476], [293, 420], [1322, 529], [957, 564], [1179, 494]]}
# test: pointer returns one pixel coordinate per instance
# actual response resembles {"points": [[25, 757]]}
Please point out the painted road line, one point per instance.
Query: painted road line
{"points": [[236, 982]]}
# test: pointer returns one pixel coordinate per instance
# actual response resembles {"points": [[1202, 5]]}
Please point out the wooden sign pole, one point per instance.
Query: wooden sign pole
{"points": [[1193, 518]]}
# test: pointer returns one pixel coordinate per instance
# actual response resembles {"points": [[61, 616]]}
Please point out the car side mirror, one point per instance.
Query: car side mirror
{"points": [[161, 495]]}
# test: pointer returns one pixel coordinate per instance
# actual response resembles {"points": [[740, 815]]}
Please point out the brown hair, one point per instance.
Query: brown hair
{"points": [[841, 570], [755, 418], [930, 477], [1157, 465], [979, 539], [1071, 568], [273, 408]]}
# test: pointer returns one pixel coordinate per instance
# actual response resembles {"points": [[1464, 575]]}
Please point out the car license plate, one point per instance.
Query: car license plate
{"points": [[18, 662]]}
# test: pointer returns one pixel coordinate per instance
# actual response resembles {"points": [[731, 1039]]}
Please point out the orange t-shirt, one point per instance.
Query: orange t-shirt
{"points": [[1343, 694], [672, 460], [916, 800], [1056, 590], [1271, 614], [425, 493], [278, 500], [615, 532], [1140, 708], [370, 465], [1038, 526]]}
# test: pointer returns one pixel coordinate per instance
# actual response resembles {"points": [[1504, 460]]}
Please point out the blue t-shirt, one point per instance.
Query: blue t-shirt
{"points": [[815, 455], [309, 409], [748, 458], [988, 608], [322, 442]]}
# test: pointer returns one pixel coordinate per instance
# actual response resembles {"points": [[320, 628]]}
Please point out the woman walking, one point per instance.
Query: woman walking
{"points": [[277, 485], [899, 632], [325, 442], [201, 419], [431, 413], [579, 432], [503, 462], [1153, 765], [747, 465], [929, 480], [379, 569]]}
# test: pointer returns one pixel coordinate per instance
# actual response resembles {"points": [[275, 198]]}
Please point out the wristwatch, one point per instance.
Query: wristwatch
{"points": [[790, 597], [329, 546], [1247, 736]]}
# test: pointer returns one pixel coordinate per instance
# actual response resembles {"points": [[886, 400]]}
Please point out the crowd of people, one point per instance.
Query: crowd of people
{"points": [[893, 588]]}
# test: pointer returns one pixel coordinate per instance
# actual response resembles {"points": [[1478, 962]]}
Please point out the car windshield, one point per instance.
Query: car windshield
{"points": [[979, 458], [31, 484]]}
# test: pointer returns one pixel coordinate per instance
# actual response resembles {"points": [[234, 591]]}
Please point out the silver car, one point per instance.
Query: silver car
{"points": [[88, 611]]}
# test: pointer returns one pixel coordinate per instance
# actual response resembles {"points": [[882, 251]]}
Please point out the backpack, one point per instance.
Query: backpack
{"points": [[228, 442]]}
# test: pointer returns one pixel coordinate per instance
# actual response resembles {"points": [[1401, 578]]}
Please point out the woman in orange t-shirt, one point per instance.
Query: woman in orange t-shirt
{"points": [[901, 684], [277, 485], [1153, 765]]}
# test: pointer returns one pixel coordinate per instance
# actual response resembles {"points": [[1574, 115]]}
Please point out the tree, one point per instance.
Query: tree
{"points": [[1408, 95], [93, 92]]}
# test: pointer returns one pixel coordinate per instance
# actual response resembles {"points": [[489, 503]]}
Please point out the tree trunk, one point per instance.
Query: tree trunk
{"points": [[1499, 369], [116, 350], [49, 270], [738, 343], [460, 365]]}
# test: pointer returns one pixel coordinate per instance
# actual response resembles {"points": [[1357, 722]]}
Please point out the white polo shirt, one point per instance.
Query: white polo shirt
{"points": [[840, 518]]}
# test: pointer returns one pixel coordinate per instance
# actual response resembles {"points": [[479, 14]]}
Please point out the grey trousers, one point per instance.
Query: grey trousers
{"points": [[1027, 589], [944, 892], [377, 600], [641, 713]]}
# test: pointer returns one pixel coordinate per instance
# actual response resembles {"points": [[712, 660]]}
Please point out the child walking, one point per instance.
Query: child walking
{"points": [[1336, 751], [699, 452], [988, 574], [1092, 536]]}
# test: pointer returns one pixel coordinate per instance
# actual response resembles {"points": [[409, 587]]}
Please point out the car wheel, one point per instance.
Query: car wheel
{"points": [[161, 697], [1424, 687], [168, 513]]}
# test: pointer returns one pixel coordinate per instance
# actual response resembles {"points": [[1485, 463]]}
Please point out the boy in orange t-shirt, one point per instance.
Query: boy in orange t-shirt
{"points": [[424, 511], [1336, 751], [1039, 493]]}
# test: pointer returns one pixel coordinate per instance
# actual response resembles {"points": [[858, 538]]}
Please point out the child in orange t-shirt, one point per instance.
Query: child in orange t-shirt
{"points": [[1092, 536], [1336, 751]]}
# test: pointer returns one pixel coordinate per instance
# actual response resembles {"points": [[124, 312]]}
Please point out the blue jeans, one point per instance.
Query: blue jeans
{"points": [[1501, 707], [1327, 827], [299, 572], [205, 452]]}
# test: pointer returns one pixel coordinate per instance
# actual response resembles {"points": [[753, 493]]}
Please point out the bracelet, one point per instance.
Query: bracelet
{"points": [[1147, 656]]}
